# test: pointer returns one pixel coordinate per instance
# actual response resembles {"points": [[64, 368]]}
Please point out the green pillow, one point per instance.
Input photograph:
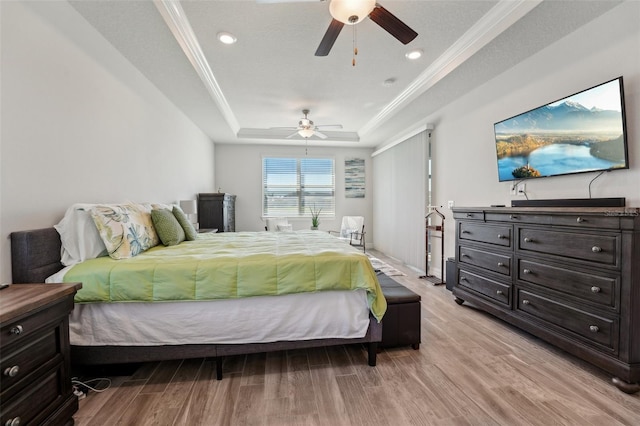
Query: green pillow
{"points": [[167, 227], [190, 232]]}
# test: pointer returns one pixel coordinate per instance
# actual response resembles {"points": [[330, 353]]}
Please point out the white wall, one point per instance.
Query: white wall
{"points": [[81, 124], [239, 171], [465, 168]]}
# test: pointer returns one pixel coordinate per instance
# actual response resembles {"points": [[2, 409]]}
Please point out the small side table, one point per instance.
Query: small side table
{"points": [[34, 335]]}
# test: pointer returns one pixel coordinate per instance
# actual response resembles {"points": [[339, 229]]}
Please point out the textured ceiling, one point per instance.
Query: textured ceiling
{"points": [[271, 73]]}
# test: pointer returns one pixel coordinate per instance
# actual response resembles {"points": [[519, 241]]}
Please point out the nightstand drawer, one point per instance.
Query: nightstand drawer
{"points": [[36, 402], [21, 329], [494, 262], [587, 286], [497, 291], [595, 328], [18, 361], [594, 248], [483, 233]]}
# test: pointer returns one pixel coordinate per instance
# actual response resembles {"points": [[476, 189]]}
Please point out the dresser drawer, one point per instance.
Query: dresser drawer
{"points": [[584, 221], [36, 402], [18, 361], [518, 218], [499, 263], [495, 290], [594, 328], [590, 287], [595, 248], [483, 233]]}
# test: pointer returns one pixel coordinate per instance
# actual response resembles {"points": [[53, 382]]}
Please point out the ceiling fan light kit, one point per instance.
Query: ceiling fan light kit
{"points": [[350, 12]]}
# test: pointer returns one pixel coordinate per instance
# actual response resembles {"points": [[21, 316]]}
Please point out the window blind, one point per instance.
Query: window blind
{"points": [[292, 186]]}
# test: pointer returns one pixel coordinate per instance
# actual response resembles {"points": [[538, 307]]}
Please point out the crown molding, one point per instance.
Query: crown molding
{"points": [[493, 23], [176, 19]]}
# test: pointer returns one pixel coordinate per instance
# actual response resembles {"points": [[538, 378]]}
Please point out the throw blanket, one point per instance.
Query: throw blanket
{"points": [[231, 265]]}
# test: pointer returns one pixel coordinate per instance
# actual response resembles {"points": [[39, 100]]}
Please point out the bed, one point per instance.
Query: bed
{"points": [[36, 256]]}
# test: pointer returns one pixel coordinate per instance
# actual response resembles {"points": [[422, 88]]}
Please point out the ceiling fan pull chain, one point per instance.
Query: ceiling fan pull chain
{"points": [[355, 46]]}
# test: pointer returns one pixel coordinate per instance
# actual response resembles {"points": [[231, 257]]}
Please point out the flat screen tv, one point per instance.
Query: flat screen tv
{"points": [[584, 132]]}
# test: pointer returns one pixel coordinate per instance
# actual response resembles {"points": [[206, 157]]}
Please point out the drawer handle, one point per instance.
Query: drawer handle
{"points": [[499, 292], [526, 302], [17, 330], [596, 249], [463, 278], [594, 328], [13, 422], [513, 216], [528, 240], [464, 231], [464, 255], [501, 237], [500, 264], [580, 220], [11, 371], [526, 271], [469, 214], [595, 289]]}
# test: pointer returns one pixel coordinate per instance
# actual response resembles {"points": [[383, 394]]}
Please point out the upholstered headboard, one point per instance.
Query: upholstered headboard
{"points": [[35, 255]]}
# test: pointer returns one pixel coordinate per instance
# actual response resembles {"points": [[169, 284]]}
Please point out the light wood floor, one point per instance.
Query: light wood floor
{"points": [[471, 369]]}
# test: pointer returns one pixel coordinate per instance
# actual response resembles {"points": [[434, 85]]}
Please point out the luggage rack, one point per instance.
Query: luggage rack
{"points": [[434, 231]]}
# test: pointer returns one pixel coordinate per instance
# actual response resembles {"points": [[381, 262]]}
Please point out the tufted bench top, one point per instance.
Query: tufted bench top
{"points": [[395, 292]]}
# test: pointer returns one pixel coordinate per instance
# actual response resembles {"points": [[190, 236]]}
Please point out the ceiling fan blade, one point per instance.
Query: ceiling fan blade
{"points": [[329, 126], [329, 38], [392, 25], [320, 135], [292, 135]]}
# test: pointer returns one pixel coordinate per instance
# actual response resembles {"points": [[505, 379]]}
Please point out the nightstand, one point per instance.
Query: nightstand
{"points": [[207, 230], [35, 361]]}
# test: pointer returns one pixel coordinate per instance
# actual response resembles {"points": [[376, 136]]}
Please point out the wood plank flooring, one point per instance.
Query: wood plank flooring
{"points": [[471, 369]]}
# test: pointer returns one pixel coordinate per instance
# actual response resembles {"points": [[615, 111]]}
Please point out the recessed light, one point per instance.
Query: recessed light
{"points": [[227, 38], [414, 54], [389, 82]]}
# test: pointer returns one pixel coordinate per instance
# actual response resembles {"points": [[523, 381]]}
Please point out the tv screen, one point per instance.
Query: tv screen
{"points": [[584, 132]]}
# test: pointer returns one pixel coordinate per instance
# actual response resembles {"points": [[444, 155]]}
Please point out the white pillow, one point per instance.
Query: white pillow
{"points": [[79, 236], [285, 228]]}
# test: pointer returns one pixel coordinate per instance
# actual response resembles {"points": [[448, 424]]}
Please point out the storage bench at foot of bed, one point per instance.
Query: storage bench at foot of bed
{"points": [[401, 322]]}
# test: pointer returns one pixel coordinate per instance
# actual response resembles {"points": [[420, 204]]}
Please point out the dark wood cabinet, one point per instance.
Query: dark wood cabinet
{"points": [[570, 276], [35, 361], [217, 211]]}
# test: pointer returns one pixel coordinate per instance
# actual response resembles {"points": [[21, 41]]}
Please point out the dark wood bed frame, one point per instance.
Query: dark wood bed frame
{"points": [[35, 255]]}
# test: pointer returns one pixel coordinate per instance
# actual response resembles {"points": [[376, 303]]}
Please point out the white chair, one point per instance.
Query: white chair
{"points": [[352, 230], [278, 224]]}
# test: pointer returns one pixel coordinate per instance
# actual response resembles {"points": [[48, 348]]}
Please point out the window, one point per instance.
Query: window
{"points": [[291, 186]]}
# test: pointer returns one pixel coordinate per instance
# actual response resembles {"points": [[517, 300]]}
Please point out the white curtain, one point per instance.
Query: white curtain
{"points": [[400, 198]]}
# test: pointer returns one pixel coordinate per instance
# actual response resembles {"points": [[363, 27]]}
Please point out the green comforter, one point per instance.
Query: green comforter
{"points": [[231, 265]]}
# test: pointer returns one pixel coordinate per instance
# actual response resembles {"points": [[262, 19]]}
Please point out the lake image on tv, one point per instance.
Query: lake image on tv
{"points": [[564, 137], [555, 159]]}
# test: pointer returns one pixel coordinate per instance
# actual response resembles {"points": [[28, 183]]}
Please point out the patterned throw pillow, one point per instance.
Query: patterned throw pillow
{"points": [[169, 229], [126, 229], [190, 232]]}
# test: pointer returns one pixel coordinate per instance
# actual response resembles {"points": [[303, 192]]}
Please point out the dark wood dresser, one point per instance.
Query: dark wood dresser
{"points": [[217, 211], [34, 362], [570, 276]]}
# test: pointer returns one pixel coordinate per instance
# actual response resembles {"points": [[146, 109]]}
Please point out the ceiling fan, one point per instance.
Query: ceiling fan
{"points": [[351, 12], [306, 128]]}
